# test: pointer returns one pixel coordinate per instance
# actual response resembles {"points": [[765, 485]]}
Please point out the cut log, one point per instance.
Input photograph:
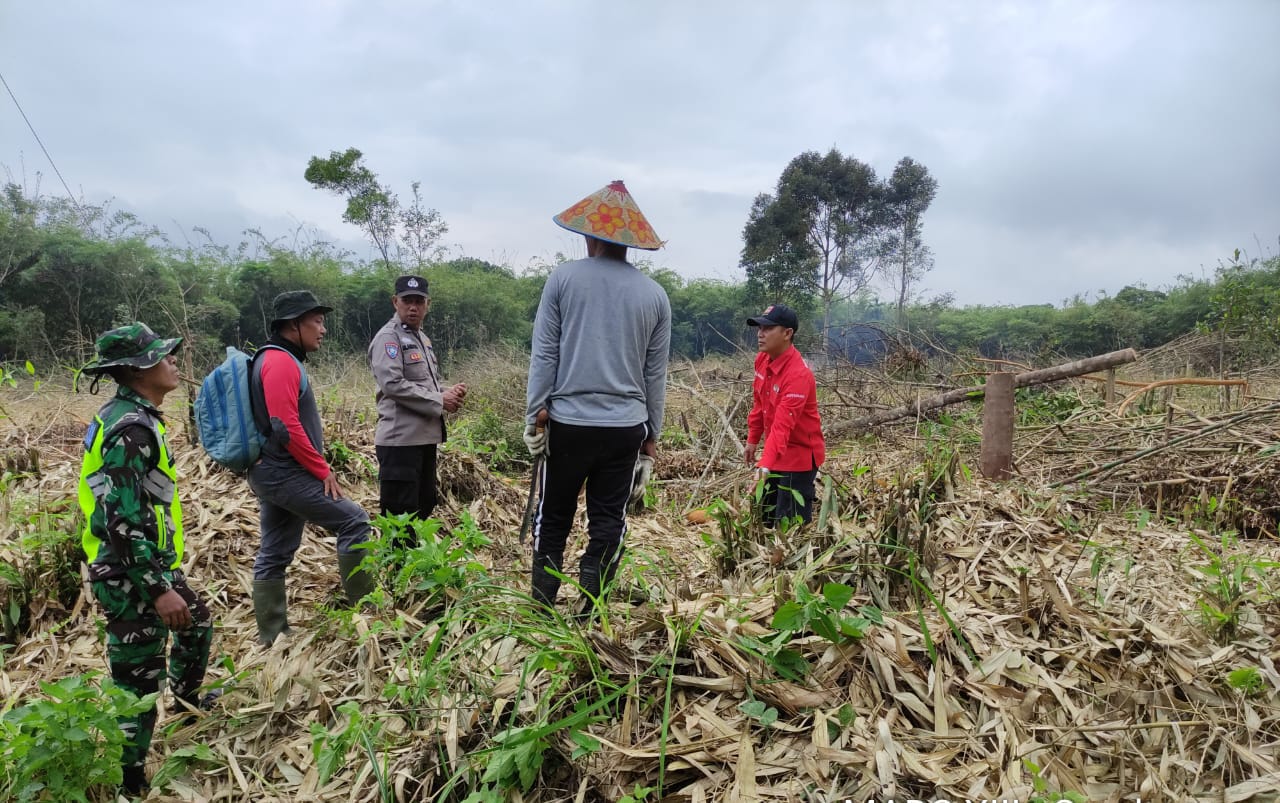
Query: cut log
{"points": [[1040, 377]]}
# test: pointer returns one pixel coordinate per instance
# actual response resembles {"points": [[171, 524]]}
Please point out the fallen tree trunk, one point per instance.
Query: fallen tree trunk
{"points": [[1026, 379]]}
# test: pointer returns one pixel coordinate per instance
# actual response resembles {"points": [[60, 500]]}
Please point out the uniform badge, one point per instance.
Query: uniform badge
{"points": [[415, 356], [393, 350], [90, 435]]}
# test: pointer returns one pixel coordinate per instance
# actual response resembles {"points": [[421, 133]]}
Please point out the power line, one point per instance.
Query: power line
{"points": [[58, 172]]}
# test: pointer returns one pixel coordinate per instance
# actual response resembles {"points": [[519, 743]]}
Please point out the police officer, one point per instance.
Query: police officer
{"points": [[411, 405], [133, 536]]}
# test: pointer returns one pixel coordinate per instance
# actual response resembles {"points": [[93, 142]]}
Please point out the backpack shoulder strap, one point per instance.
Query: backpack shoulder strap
{"points": [[302, 371], [258, 397]]}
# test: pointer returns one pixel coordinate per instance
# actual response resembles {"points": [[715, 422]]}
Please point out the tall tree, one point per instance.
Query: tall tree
{"points": [[396, 232], [370, 205], [908, 194], [819, 233], [778, 264]]}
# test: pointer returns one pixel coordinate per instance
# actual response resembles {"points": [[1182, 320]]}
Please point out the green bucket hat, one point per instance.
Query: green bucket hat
{"points": [[294, 304], [134, 344]]}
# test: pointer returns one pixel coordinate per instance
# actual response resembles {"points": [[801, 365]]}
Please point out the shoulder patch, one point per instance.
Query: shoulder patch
{"points": [[92, 433], [393, 350]]}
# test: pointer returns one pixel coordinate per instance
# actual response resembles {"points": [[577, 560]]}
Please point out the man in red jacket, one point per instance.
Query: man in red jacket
{"points": [[784, 412]]}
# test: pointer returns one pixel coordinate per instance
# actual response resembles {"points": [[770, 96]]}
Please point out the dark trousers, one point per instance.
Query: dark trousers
{"points": [[604, 459], [136, 642], [289, 497], [780, 492], [407, 479]]}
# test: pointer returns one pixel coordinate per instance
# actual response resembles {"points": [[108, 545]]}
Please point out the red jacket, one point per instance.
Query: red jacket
{"points": [[785, 411]]}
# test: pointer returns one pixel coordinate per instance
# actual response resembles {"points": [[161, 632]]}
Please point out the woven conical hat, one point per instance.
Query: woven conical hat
{"points": [[611, 215]]}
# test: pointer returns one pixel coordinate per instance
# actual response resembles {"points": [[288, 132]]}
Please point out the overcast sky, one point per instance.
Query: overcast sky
{"points": [[1078, 146]]}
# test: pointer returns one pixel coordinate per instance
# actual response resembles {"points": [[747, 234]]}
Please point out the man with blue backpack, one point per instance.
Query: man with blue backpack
{"points": [[291, 478]]}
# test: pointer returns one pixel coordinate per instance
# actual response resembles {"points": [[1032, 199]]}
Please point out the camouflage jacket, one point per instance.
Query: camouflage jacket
{"points": [[130, 520]]}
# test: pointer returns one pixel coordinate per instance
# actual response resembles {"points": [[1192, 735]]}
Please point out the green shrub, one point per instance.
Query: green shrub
{"points": [[63, 747]]}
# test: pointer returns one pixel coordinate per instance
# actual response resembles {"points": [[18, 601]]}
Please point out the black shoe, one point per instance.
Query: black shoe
{"points": [[135, 781]]}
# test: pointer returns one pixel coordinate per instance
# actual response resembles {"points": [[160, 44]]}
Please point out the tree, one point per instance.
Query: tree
{"points": [[422, 229], [908, 195], [19, 237], [371, 205], [778, 264], [818, 234]]}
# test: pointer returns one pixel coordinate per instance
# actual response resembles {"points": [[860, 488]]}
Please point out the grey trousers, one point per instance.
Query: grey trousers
{"points": [[290, 497]]}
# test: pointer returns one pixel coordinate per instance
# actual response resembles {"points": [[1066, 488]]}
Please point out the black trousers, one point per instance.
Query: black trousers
{"points": [[604, 459], [781, 490], [407, 479]]}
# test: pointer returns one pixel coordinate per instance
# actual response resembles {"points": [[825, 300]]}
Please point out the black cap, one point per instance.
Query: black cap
{"points": [[411, 286], [294, 304], [776, 315]]}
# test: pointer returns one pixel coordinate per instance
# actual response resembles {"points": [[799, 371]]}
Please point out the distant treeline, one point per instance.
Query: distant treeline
{"points": [[68, 272]]}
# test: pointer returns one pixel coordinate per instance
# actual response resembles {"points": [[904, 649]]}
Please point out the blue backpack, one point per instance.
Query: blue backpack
{"points": [[224, 411]]}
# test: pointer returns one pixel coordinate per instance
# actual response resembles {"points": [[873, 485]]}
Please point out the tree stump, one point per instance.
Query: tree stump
{"points": [[997, 427]]}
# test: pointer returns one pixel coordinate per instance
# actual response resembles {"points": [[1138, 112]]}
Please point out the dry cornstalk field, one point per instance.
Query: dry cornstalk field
{"points": [[1102, 627]]}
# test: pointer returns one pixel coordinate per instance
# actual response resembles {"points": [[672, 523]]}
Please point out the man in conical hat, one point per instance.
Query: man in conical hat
{"points": [[598, 371]]}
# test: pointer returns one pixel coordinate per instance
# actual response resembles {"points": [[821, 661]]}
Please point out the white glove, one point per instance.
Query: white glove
{"points": [[643, 470], [535, 440]]}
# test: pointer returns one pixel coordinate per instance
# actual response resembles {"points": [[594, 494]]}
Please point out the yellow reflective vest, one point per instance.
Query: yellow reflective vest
{"points": [[159, 486]]}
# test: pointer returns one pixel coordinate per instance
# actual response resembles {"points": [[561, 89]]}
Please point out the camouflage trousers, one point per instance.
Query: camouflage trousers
{"points": [[136, 642]]}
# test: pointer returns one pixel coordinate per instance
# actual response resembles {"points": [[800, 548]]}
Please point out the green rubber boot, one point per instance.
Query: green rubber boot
{"points": [[355, 582], [271, 609]]}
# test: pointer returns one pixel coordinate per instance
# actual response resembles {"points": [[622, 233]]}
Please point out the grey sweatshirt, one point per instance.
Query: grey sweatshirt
{"points": [[600, 345]]}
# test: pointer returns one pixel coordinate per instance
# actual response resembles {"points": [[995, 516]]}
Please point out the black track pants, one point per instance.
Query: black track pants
{"points": [[604, 458]]}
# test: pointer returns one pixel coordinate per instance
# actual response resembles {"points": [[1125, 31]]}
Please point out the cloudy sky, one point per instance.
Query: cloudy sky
{"points": [[1079, 146]]}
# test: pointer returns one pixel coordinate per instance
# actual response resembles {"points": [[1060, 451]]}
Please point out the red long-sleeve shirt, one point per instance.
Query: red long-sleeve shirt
{"points": [[281, 385], [784, 411]]}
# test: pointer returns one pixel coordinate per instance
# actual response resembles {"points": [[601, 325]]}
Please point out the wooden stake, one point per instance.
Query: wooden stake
{"points": [[997, 427]]}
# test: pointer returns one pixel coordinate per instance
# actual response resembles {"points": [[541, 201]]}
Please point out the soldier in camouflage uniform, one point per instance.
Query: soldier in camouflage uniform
{"points": [[133, 536]]}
